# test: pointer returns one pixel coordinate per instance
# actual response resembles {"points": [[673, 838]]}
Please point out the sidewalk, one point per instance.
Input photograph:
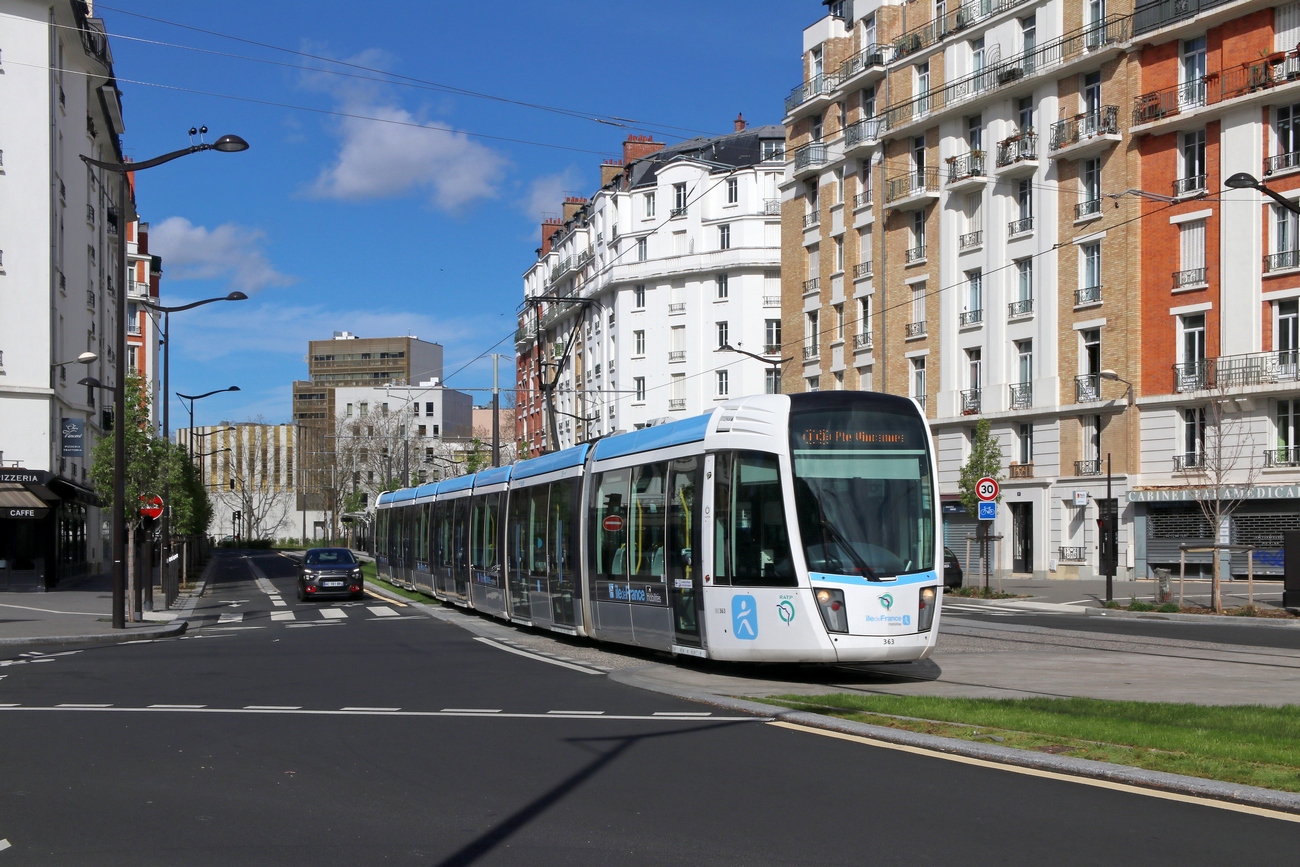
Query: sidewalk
{"points": [[81, 614], [1091, 593]]}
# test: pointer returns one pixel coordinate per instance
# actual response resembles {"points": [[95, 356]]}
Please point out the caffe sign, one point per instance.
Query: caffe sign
{"points": [[23, 512]]}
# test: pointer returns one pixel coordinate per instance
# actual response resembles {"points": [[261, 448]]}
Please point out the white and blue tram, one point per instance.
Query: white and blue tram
{"points": [[775, 528]]}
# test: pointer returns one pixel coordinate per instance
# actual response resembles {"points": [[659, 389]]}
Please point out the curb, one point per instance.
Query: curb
{"points": [[169, 631], [1251, 796], [1221, 619]]}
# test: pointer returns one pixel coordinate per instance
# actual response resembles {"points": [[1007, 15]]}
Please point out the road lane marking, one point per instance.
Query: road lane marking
{"points": [[1050, 775], [84, 705], [231, 617], [579, 712], [4, 844], [370, 592], [298, 711], [470, 710], [333, 614], [177, 706], [272, 707], [382, 611], [314, 623], [280, 602], [535, 656], [682, 713], [374, 709], [10, 705], [282, 615]]}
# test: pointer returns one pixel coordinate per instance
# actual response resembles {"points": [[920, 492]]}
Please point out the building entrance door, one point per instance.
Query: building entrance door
{"points": [[1022, 537]]}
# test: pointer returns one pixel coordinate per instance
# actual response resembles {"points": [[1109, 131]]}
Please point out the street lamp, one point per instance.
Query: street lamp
{"points": [[167, 430], [774, 363], [225, 144], [1247, 181], [193, 397], [1115, 377]]}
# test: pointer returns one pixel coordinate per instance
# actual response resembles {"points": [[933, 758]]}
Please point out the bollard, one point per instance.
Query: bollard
{"points": [[1164, 593]]}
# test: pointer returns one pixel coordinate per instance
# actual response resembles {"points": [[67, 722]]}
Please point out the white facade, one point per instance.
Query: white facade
{"points": [[677, 255]]}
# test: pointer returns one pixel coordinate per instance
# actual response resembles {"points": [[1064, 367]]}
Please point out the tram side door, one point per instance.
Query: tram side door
{"points": [[685, 495]]}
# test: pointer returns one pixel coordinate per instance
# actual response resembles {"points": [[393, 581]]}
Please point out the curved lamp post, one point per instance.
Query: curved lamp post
{"points": [[774, 363], [1247, 181], [225, 144]]}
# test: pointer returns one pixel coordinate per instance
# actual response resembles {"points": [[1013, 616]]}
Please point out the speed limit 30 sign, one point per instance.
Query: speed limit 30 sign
{"points": [[987, 489]]}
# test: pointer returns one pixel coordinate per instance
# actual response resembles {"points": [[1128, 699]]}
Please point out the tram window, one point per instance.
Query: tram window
{"points": [[609, 536], [438, 538], [722, 519], [459, 531], [484, 534], [563, 528], [646, 541], [760, 543], [537, 530], [520, 502]]}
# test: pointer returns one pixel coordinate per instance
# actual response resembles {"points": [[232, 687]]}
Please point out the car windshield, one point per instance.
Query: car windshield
{"points": [[863, 492], [330, 557]]}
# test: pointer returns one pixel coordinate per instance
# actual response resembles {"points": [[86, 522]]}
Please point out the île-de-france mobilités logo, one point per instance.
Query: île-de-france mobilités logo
{"points": [[886, 601]]}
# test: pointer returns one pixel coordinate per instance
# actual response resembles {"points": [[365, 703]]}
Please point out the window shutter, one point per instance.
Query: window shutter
{"points": [[1192, 239], [1286, 27]]}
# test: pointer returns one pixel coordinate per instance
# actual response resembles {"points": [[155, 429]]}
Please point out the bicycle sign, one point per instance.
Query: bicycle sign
{"points": [[987, 489]]}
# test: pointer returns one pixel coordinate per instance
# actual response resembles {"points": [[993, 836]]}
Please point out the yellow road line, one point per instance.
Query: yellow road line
{"points": [[390, 600], [1051, 775]]}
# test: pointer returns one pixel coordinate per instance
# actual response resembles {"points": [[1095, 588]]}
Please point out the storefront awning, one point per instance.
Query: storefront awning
{"points": [[20, 503]]}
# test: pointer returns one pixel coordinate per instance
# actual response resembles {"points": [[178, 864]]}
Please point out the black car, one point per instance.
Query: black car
{"points": [[951, 569], [329, 572]]}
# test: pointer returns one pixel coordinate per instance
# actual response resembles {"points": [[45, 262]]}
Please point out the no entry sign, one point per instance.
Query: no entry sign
{"points": [[612, 523], [151, 507]]}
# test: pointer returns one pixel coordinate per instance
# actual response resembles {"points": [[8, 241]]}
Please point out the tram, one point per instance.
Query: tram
{"points": [[794, 528]]}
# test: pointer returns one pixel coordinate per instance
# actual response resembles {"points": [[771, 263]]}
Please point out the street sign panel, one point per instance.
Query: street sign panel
{"points": [[988, 511], [987, 489], [151, 507]]}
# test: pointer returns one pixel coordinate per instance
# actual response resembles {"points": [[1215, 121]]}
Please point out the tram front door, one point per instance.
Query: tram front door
{"points": [[683, 549]]}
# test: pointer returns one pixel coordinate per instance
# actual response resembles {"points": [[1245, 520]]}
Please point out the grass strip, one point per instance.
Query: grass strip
{"points": [[1250, 744], [368, 571]]}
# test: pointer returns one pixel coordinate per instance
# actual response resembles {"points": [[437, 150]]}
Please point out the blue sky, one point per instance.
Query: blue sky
{"points": [[333, 223]]}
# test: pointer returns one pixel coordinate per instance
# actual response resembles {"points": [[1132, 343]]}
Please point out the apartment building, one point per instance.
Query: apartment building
{"points": [[397, 432], [58, 243], [958, 226], [143, 326], [1219, 384], [659, 296]]}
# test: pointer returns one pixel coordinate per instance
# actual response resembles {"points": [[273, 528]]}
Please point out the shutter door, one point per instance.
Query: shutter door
{"points": [[956, 530], [1286, 27]]}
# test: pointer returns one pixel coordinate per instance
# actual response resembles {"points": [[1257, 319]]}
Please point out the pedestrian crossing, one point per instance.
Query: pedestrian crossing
{"points": [[300, 616]]}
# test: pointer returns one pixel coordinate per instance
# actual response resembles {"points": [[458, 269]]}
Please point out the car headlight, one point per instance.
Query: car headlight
{"points": [[927, 603], [834, 614], [356, 573]]}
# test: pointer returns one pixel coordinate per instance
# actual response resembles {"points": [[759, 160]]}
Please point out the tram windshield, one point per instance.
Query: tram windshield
{"points": [[863, 489]]}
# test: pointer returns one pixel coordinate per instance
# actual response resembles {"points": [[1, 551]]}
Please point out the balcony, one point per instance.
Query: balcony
{"points": [[862, 200], [955, 20], [862, 340], [868, 62], [1188, 187], [1189, 278], [913, 330], [913, 190], [133, 327], [1085, 134], [1072, 553], [812, 219], [676, 355], [915, 255], [970, 401], [677, 213], [1018, 155], [772, 207], [676, 404], [967, 171], [1152, 106], [1238, 371], [970, 318], [1020, 227], [1087, 388], [1287, 260], [771, 349], [1087, 296], [90, 214], [1189, 462], [863, 135], [970, 240], [1280, 163], [1023, 307], [1283, 457], [862, 270], [677, 308], [812, 285], [812, 93], [811, 352], [771, 300], [809, 159], [1152, 16], [1022, 395], [1091, 467], [1021, 471], [90, 299], [1087, 210]]}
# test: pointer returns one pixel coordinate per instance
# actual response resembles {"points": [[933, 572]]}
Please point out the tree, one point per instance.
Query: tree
{"points": [[985, 460]]}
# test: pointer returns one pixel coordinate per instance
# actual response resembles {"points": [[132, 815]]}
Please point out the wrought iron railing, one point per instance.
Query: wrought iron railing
{"points": [[818, 85], [1282, 457], [676, 307], [1238, 371], [916, 254], [676, 404], [1090, 208], [1090, 467], [677, 355], [862, 200], [1087, 295], [809, 155], [771, 300], [1020, 227], [913, 183], [1151, 106], [1087, 388], [971, 317], [970, 239], [914, 329], [864, 132], [1022, 395], [812, 285], [771, 349], [1187, 186], [970, 401], [862, 269], [675, 213], [1072, 553], [1082, 127], [811, 351], [1281, 163], [1018, 148], [955, 20], [812, 219], [1189, 277], [1021, 471], [1189, 461], [772, 207], [1023, 307], [1282, 261], [874, 55], [862, 340], [969, 165]]}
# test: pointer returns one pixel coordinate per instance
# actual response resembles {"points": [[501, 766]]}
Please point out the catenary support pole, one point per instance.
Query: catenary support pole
{"points": [[496, 413], [1110, 578], [118, 523]]}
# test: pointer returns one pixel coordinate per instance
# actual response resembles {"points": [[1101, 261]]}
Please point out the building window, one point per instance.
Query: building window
{"points": [[1026, 444], [642, 249], [348, 413], [1191, 254], [1091, 265], [1193, 437], [918, 302], [723, 330], [648, 205], [772, 336], [638, 384], [1092, 100], [723, 379], [974, 368], [415, 407], [773, 149], [1286, 336], [638, 296], [839, 322], [974, 295], [864, 314], [638, 343], [428, 408], [1090, 195], [679, 199], [1286, 238], [1192, 157], [918, 235], [724, 237], [1288, 426], [918, 379], [918, 161], [975, 123], [733, 191], [1025, 278], [1025, 114], [772, 381], [921, 87], [816, 129], [1192, 346], [1091, 440], [839, 380], [1025, 202], [1287, 128], [1090, 359], [810, 335], [1025, 354], [722, 287], [1192, 72]]}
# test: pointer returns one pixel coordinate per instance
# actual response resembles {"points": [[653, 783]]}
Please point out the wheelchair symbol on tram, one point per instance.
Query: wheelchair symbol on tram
{"points": [[744, 617]]}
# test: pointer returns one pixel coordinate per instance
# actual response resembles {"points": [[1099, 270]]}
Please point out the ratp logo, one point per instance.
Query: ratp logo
{"points": [[785, 610], [886, 601], [744, 617]]}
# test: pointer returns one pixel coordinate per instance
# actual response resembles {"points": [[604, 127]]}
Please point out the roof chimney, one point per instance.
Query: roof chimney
{"points": [[740, 122], [572, 205], [638, 146], [549, 226], [609, 170]]}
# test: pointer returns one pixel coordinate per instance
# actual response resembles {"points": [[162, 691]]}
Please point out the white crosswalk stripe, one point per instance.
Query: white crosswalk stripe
{"points": [[282, 615], [382, 611], [333, 613], [231, 617]]}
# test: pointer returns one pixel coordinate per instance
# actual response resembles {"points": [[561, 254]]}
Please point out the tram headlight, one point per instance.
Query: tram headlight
{"points": [[926, 605], [834, 614]]}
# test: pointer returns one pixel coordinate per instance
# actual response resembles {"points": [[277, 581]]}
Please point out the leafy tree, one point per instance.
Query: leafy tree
{"points": [[985, 460]]}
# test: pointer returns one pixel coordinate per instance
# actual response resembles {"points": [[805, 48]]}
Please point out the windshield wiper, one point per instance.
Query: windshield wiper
{"points": [[863, 567]]}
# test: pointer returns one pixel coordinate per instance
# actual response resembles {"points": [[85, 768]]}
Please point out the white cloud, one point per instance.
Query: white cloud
{"points": [[229, 251], [546, 193]]}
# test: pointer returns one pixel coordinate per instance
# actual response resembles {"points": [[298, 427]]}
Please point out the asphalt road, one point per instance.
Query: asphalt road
{"points": [[368, 737]]}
